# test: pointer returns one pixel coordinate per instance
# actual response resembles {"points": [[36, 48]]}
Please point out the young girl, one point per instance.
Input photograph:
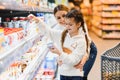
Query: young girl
{"points": [[72, 49], [74, 19]]}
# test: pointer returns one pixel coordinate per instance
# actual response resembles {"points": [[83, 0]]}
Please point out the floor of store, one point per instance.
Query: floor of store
{"points": [[102, 46]]}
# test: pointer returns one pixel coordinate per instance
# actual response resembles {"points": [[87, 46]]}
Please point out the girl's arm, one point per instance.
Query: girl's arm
{"points": [[75, 56]]}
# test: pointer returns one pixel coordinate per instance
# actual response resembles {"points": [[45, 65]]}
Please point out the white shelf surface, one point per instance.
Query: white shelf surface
{"points": [[8, 5], [14, 53], [34, 65]]}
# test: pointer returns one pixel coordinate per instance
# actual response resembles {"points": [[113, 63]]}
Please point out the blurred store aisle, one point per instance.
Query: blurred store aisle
{"points": [[102, 46]]}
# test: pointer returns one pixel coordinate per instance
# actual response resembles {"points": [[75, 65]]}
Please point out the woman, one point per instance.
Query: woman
{"points": [[91, 59]]}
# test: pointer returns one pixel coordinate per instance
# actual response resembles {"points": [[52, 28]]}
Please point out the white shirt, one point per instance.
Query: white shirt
{"points": [[77, 44], [62, 28], [59, 27]]}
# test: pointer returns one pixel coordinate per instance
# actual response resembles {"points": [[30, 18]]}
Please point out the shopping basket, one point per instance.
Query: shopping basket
{"points": [[110, 64]]}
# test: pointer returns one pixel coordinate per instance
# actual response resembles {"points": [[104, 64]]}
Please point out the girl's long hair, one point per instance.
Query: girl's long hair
{"points": [[78, 17]]}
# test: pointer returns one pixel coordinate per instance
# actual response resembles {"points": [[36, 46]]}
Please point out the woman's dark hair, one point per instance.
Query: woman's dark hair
{"points": [[60, 7], [78, 17]]}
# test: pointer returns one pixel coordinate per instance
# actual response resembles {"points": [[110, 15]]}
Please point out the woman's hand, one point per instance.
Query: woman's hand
{"points": [[33, 18], [81, 63]]}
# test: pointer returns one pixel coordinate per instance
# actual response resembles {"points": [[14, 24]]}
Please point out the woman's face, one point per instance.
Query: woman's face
{"points": [[72, 27], [60, 17]]}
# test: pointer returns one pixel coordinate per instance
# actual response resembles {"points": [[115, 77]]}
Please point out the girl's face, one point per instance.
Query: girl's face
{"points": [[71, 26], [60, 17]]}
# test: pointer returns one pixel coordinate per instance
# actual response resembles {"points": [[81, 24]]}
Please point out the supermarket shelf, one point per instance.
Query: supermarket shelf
{"points": [[98, 8], [106, 22], [111, 8], [111, 27], [105, 35], [110, 1], [97, 31], [9, 56], [32, 69], [96, 21], [112, 35], [107, 14], [111, 14], [22, 7], [107, 27], [96, 3], [97, 14], [110, 21], [96, 25]]}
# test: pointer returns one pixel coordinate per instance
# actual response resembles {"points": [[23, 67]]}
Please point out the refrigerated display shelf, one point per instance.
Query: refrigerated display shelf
{"points": [[14, 53], [22, 7], [32, 69], [14, 9]]}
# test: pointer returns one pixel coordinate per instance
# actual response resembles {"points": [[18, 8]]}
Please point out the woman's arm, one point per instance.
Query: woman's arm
{"points": [[52, 34]]}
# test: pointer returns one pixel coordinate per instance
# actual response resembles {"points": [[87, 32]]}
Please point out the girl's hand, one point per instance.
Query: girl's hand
{"points": [[53, 49], [60, 62], [79, 66]]}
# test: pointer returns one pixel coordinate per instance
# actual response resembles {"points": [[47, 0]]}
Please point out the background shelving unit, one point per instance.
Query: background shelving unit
{"points": [[106, 17], [87, 13]]}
